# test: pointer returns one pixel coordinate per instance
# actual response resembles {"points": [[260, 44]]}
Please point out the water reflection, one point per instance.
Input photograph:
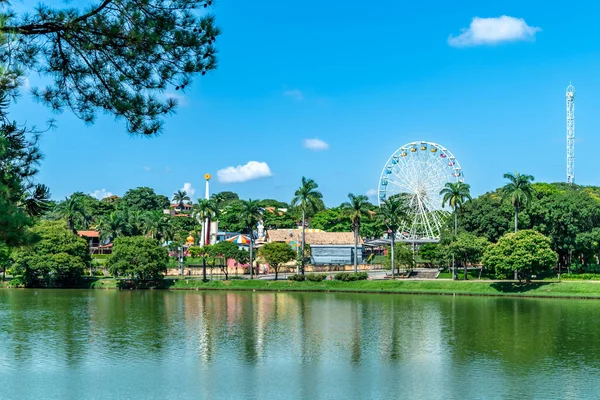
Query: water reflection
{"points": [[294, 345]]}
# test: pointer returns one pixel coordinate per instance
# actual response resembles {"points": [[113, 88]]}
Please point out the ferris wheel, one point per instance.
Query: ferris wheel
{"points": [[420, 170]]}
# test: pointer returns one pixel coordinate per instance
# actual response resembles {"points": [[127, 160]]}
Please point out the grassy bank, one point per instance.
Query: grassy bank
{"points": [[575, 289], [580, 289]]}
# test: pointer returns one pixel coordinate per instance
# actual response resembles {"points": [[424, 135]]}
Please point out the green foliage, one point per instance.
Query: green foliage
{"points": [[276, 254], [113, 57], [195, 251], [144, 199], [308, 198], [468, 248], [138, 257], [224, 198], [229, 217], [526, 251], [349, 277], [315, 277], [331, 220], [403, 257], [21, 199], [297, 278], [519, 190], [278, 219], [181, 197], [58, 259]]}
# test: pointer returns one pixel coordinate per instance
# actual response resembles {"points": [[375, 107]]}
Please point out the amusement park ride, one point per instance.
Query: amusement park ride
{"points": [[422, 169]]}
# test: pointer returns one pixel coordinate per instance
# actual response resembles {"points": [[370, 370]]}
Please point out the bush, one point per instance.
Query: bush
{"points": [[349, 277], [296, 278], [315, 277]]}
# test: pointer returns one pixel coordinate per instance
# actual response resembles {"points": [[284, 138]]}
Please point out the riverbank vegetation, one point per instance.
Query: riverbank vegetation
{"points": [[445, 287]]}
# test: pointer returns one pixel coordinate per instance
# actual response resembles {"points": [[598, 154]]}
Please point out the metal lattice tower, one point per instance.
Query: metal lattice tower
{"points": [[570, 94]]}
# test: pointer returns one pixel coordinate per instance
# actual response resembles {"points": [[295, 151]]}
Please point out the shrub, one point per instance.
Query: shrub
{"points": [[349, 277], [296, 278], [315, 277]]}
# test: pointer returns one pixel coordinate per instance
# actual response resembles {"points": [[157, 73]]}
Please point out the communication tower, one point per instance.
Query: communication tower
{"points": [[570, 94]]}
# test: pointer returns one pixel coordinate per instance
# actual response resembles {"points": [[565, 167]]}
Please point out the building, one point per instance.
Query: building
{"points": [[93, 239], [327, 248]]}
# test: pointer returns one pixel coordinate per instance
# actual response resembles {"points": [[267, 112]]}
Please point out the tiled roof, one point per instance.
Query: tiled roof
{"points": [[312, 238], [88, 234]]}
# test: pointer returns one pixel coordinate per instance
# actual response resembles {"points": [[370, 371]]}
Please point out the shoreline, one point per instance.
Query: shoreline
{"points": [[539, 289]]}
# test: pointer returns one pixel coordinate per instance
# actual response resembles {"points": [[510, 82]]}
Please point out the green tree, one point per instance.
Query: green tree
{"points": [[180, 197], [276, 254], [331, 220], [468, 249], [5, 259], [58, 259], [356, 209], [112, 226], [72, 210], [587, 247], [229, 217], [519, 191], [455, 194], [224, 198], [144, 199], [525, 252], [250, 215], [403, 256], [139, 257], [227, 251], [117, 57], [394, 213], [21, 199], [204, 211], [307, 197]]}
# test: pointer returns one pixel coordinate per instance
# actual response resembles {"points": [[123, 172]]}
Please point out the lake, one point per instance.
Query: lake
{"points": [[106, 344]]}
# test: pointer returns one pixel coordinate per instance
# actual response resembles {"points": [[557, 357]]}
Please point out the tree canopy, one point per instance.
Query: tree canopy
{"points": [[138, 257], [57, 259], [528, 252], [276, 254], [117, 56]]}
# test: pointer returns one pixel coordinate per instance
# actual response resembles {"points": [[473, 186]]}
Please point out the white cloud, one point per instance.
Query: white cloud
{"points": [[315, 144], [147, 168], [371, 193], [294, 93], [101, 194], [494, 30], [242, 173], [189, 189]]}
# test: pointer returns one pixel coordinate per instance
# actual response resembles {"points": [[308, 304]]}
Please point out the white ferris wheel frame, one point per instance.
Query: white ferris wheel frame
{"points": [[420, 169]]}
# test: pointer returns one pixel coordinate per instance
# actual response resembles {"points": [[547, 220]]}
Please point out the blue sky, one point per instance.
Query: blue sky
{"points": [[364, 78]]}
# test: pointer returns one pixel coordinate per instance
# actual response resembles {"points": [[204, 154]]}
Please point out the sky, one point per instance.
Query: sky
{"points": [[329, 90]]}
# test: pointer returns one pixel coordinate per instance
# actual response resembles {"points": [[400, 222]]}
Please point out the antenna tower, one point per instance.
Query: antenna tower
{"points": [[570, 94]]}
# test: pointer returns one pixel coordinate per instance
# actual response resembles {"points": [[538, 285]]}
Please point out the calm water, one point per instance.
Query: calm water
{"points": [[62, 344]]}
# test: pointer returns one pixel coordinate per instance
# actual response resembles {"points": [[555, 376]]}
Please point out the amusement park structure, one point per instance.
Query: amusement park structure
{"points": [[570, 94], [420, 170]]}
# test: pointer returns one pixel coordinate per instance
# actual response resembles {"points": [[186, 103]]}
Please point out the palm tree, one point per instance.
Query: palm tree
{"points": [[251, 214], [72, 209], [455, 195], [306, 198], [155, 224], [394, 213], [204, 211], [355, 209], [112, 226], [519, 190], [180, 197]]}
